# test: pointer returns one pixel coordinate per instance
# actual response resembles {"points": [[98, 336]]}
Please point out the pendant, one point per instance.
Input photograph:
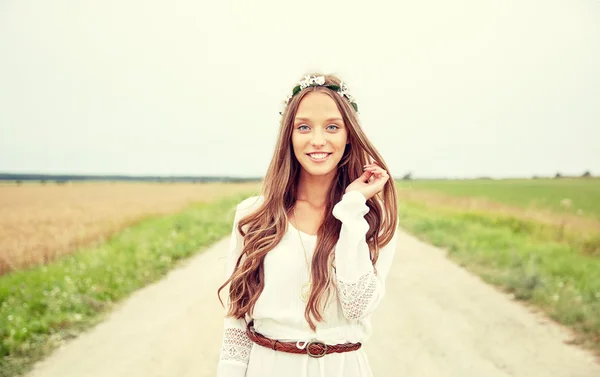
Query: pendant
{"points": [[305, 291]]}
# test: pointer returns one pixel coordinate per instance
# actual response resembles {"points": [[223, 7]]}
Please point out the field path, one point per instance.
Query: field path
{"points": [[437, 320]]}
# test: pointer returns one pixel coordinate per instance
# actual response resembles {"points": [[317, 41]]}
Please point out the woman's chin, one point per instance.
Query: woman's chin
{"points": [[319, 170]]}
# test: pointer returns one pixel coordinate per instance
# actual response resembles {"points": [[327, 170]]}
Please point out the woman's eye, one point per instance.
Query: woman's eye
{"points": [[304, 127]]}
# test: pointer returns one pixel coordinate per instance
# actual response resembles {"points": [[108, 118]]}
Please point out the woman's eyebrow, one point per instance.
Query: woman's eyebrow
{"points": [[328, 119]]}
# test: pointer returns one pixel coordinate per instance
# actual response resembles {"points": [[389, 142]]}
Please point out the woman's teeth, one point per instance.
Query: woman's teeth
{"points": [[319, 156]]}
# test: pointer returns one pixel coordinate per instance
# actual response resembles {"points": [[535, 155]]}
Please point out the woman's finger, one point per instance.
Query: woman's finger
{"points": [[377, 170], [366, 176]]}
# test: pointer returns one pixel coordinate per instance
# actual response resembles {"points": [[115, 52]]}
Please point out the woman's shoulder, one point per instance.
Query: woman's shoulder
{"points": [[250, 204]]}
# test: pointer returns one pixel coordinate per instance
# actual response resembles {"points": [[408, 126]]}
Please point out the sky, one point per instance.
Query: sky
{"points": [[458, 89]]}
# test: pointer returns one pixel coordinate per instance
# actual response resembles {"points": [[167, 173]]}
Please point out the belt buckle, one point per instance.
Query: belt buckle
{"points": [[316, 355]]}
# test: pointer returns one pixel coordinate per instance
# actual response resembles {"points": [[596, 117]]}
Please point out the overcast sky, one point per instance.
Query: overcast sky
{"points": [[445, 88]]}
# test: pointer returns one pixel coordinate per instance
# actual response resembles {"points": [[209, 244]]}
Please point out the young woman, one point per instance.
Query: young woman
{"points": [[308, 258]]}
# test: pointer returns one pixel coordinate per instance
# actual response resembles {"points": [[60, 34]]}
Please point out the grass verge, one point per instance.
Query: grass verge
{"points": [[43, 306], [554, 276], [582, 195]]}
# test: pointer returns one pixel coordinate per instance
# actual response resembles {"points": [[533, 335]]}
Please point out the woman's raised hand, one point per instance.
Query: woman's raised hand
{"points": [[370, 182]]}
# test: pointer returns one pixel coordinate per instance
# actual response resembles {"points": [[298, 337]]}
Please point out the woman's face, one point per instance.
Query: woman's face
{"points": [[319, 136]]}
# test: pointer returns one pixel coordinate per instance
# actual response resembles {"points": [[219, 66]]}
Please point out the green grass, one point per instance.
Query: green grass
{"points": [[504, 251], [42, 306], [536, 193]]}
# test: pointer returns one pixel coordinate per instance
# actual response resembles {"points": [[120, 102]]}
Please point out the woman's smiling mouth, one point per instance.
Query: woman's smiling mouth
{"points": [[319, 157]]}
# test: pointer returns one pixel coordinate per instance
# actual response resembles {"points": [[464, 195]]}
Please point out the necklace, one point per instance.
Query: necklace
{"points": [[306, 287]]}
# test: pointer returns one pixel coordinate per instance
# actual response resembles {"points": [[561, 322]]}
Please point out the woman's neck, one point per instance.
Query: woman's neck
{"points": [[314, 188]]}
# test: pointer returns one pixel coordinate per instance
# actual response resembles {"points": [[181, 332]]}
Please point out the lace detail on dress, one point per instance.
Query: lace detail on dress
{"points": [[355, 297], [236, 345]]}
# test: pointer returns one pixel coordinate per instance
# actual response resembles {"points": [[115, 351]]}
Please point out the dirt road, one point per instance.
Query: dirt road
{"points": [[437, 320]]}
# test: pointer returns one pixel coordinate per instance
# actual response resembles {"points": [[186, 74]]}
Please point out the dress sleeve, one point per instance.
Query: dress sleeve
{"points": [[235, 346], [359, 289]]}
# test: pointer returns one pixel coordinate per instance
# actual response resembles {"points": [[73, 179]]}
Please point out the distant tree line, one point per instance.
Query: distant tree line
{"points": [[558, 175], [62, 179], [65, 178]]}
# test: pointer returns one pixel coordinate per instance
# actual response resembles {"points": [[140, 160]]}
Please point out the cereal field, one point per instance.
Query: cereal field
{"points": [[41, 222]]}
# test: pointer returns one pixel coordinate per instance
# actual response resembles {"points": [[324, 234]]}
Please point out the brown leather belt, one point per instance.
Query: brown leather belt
{"points": [[313, 348]]}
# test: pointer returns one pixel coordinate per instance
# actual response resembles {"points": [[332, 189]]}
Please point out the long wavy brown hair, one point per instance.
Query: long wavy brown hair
{"points": [[265, 227]]}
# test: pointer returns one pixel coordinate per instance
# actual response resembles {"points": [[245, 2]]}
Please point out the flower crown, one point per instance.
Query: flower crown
{"points": [[308, 80]]}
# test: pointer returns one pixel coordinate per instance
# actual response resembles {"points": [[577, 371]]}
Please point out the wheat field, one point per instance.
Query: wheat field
{"points": [[39, 223]]}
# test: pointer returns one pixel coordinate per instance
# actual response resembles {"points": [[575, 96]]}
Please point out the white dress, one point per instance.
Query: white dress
{"points": [[279, 311]]}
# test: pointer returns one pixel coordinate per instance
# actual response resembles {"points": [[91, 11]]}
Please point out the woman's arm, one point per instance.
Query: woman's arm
{"points": [[359, 289], [236, 346]]}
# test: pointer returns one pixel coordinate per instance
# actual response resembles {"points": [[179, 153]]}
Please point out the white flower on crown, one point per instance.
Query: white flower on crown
{"points": [[305, 82], [285, 103], [311, 81], [344, 90]]}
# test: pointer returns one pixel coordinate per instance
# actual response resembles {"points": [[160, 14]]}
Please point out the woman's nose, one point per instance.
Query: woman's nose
{"points": [[317, 139]]}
